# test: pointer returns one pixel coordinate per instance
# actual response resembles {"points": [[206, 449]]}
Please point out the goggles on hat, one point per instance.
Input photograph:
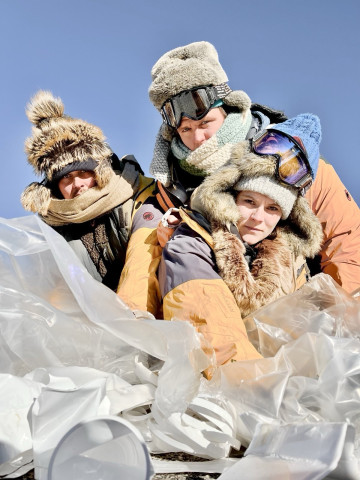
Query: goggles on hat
{"points": [[293, 167], [194, 103]]}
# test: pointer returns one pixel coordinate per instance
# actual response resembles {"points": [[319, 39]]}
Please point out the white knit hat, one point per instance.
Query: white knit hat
{"points": [[283, 195]]}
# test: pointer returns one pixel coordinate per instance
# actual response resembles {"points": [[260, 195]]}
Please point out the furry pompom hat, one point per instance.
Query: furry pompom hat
{"points": [[191, 66], [59, 144]]}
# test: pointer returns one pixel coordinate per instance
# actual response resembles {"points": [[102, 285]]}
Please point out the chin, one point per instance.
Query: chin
{"points": [[252, 239]]}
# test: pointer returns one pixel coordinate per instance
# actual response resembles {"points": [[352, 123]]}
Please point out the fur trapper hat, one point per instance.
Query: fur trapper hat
{"points": [[191, 66], [215, 199], [58, 145]]}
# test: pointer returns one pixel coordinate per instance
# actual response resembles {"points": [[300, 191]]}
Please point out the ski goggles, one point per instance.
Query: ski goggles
{"points": [[293, 167], [194, 104]]}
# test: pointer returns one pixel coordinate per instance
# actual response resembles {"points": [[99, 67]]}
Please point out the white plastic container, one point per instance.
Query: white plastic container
{"points": [[103, 448]]}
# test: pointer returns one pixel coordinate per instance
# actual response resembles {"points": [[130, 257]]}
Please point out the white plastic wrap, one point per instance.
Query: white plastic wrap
{"points": [[62, 334]]}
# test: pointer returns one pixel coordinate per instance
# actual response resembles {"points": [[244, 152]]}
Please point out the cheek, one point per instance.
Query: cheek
{"points": [[214, 128], [272, 221], [186, 139], [64, 188], [91, 182], [245, 213]]}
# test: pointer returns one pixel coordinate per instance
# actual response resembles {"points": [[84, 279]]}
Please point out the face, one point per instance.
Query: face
{"points": [[194, 133], [75, 183], [259, 216]]}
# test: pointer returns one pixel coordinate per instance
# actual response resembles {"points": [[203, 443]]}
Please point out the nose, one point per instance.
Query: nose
{"points": [[258, 214], [199, 137], [78, 182]]}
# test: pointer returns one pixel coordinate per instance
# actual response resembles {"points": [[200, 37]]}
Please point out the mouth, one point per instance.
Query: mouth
{"points": [[252, 229]]}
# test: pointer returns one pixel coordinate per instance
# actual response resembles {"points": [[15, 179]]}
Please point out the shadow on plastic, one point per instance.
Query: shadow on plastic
{"points": [[101, 448]]}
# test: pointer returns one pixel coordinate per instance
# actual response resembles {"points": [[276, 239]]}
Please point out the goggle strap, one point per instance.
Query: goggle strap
{"points": [[221, 90]]}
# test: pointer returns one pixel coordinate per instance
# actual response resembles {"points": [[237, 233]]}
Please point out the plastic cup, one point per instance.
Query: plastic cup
{"points": [[102, 448]]}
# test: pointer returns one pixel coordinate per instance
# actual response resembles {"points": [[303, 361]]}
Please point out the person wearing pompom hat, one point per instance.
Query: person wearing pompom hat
{"points": [[87, 194], [245, 240], [203, 118]]}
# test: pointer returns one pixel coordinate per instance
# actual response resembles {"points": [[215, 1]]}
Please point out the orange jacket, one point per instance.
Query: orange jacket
{"points": [[340, 219], [138, 286], [192, 290]]}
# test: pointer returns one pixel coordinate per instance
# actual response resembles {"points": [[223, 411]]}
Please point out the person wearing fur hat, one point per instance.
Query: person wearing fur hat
{"points": [[203, 118], [93, 199], [244, 242]]}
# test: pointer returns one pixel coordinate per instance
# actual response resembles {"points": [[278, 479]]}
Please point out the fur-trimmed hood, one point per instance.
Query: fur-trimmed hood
{"points": [[215, 200], [57, 141]]}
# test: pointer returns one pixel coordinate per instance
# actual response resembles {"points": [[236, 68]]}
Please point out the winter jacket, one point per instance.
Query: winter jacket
{"points": [[101, 243], [328, 198], [340, 219], [204, 273], [138, 286]]}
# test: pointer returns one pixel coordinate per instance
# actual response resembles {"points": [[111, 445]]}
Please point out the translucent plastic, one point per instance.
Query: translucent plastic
{"points": [[104, 447], [70, 349]]}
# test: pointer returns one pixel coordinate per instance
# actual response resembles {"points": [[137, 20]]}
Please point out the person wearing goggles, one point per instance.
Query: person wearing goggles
{"points": [[245, 240], [193, 104], [199, 131]]}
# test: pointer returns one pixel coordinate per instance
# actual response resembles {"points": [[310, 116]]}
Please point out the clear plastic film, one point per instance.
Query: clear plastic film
{"points": [[63, 335]]}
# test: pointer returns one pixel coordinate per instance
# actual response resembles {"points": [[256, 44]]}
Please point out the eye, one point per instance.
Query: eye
{"points": [[274, 208]]}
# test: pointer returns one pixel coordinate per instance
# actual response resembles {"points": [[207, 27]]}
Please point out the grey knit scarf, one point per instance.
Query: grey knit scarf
{"points": [[205, 159]]}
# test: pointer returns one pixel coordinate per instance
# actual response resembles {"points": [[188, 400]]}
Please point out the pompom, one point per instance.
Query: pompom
{"points": [[43, 106]]}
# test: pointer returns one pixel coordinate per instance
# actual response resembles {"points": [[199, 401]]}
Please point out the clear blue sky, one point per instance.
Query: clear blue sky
{"points": [[295, 55]]}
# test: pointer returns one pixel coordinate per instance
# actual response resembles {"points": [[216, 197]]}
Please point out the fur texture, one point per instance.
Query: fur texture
{"points": [[215, 200], [190, 66], [271, 274], [58, 140]]}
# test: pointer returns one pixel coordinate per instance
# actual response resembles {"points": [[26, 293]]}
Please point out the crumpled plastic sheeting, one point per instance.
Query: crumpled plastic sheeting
{"points": [[63, 333]]}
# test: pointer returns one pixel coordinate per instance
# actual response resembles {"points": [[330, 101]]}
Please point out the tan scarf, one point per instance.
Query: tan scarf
{"points": [[90, 204]]}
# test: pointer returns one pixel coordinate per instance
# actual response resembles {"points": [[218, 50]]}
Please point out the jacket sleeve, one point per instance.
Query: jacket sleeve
{"points": [[138, 285], [193, 291], [340, 219]]}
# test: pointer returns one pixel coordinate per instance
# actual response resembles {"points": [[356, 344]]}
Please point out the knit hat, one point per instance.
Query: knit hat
{"points": [[184, 68], [60, 144], [191, 66], [215, 198], [283, 195], [305, 126]]}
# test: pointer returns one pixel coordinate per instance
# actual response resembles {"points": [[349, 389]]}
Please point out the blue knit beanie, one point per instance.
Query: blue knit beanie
{"points": [[307, 127]]}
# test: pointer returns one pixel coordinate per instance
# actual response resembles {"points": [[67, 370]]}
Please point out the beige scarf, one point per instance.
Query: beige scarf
{"points": [[90, 204]]}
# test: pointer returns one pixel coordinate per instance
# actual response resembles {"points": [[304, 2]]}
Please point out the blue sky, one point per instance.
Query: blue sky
{"points": [[298, 56]]}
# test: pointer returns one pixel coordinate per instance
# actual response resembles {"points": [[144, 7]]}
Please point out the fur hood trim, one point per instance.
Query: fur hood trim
{"points": [[36, 198], [215, 200]]}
